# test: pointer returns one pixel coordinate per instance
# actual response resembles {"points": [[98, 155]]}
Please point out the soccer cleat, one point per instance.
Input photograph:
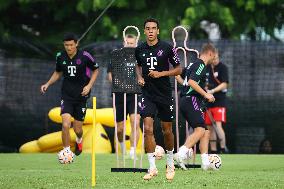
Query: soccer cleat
{"points": [[78, 148], [170, 172], [151, 173], [179, 161], [205, 167]]}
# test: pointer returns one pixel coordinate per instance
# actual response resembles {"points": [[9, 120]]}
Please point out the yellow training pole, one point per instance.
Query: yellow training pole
{"points": [[93, 143]]}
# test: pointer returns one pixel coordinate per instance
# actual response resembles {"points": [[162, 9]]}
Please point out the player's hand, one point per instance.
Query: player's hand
{"points": [[209, 97], [86, 90], [141, 81], [155, 74], [43, 88]]}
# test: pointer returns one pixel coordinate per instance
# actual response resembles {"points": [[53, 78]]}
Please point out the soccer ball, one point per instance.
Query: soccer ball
{"points": [[65, 156], [215, 161], [159, 152]]}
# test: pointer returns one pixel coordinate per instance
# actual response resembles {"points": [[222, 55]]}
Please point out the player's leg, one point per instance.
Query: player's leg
{"points": [[219, 114], [132, 135], [203, 147], [189, 107], [147, 111], [213, 137], [165, 112], [222, 136], [131, 112], [119, 105], [66, 112], [79, 116], [213, 140]]}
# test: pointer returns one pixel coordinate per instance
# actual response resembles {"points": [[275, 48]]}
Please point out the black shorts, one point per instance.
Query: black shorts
{"points": [[190, 108], [119, 105], [75, 109], [149, 108]]}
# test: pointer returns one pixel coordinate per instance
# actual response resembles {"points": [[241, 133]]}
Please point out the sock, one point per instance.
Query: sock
{"points": [[67, 148], [131, 150], [121, 147], [151, 158], [78, 140], [183, 150], [170, 157], [205, 159]]}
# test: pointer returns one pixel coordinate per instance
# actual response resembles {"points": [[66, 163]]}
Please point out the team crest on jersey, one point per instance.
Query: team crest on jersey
{"points": [[83, 110], [216, 74], [160, 53], [64, 62], [78, 61]]}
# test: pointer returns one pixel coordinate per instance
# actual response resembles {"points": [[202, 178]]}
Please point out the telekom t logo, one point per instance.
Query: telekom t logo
{"points": [[152, 61], [72, 70]]}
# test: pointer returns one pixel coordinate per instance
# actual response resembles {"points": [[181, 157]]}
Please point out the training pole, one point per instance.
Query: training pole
{"points": [[94, 142]]}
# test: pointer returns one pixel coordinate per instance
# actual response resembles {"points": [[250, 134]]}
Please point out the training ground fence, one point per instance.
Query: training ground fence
{"points": [[255, 96]]}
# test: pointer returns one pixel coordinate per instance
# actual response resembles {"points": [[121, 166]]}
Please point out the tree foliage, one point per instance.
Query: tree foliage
{"points": [[40, 24]]}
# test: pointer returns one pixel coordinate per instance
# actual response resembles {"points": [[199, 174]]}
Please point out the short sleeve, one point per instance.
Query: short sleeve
{"points": [[58, 57], [173, 56], [139, 62], [196, 72], [224, 76], [91, 63]]}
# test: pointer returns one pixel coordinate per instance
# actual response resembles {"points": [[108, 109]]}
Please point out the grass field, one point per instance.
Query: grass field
{"points": [[43, 171]]}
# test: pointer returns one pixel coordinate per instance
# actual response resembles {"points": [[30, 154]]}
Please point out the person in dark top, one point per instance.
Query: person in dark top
{"points": [[153, 70], [218, 80], [193, 79], [130, 42], [76, 67]]}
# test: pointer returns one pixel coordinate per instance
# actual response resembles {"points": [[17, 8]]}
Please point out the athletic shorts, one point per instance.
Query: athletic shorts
{"points": [[119, 105], [218, 114], [149, 108], [75, 109], [190, 108]]}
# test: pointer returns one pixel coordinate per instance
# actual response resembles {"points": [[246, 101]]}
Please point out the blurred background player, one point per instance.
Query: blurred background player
{"points": [[130, 42], [153, 70], [193, 93], [217, 85], [76, 67]]}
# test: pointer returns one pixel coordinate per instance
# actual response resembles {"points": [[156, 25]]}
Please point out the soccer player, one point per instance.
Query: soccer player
{"points": [[153, 70], [130, 42], [76, 67], [193, 79], [217, 84]]}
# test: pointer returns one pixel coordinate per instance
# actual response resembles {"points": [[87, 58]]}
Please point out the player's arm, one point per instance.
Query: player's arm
{"points": [[138, 67], [55, 76], [95, 68], [224, 82], [140, 79], [194, 79], [180, 78]]}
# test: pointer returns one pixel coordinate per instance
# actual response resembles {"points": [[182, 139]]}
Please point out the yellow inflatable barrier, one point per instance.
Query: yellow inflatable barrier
{"points": [[54, 139], [30, 147], [52, 142], [104, 116]]}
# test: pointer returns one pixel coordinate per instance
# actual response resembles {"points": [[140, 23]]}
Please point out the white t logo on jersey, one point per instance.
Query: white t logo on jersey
{"points": [[72, 70], [152, 61]]}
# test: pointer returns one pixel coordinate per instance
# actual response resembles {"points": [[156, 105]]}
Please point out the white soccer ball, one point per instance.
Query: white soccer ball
{"points": [[215, 161], [159, 152], [65, 156]]}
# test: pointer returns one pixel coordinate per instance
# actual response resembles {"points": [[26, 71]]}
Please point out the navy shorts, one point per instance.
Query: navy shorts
{"points": [[75, 109], [119, 105], [190, 108], [149, 108]]}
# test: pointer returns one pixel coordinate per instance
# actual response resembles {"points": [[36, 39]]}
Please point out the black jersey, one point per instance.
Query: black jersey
{"points": [[197, 72], [157, 58], [217, 75], [76, 73]]}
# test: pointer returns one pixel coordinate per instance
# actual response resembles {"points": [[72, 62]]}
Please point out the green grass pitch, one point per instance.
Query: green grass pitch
{"points": [[43, 171]]}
